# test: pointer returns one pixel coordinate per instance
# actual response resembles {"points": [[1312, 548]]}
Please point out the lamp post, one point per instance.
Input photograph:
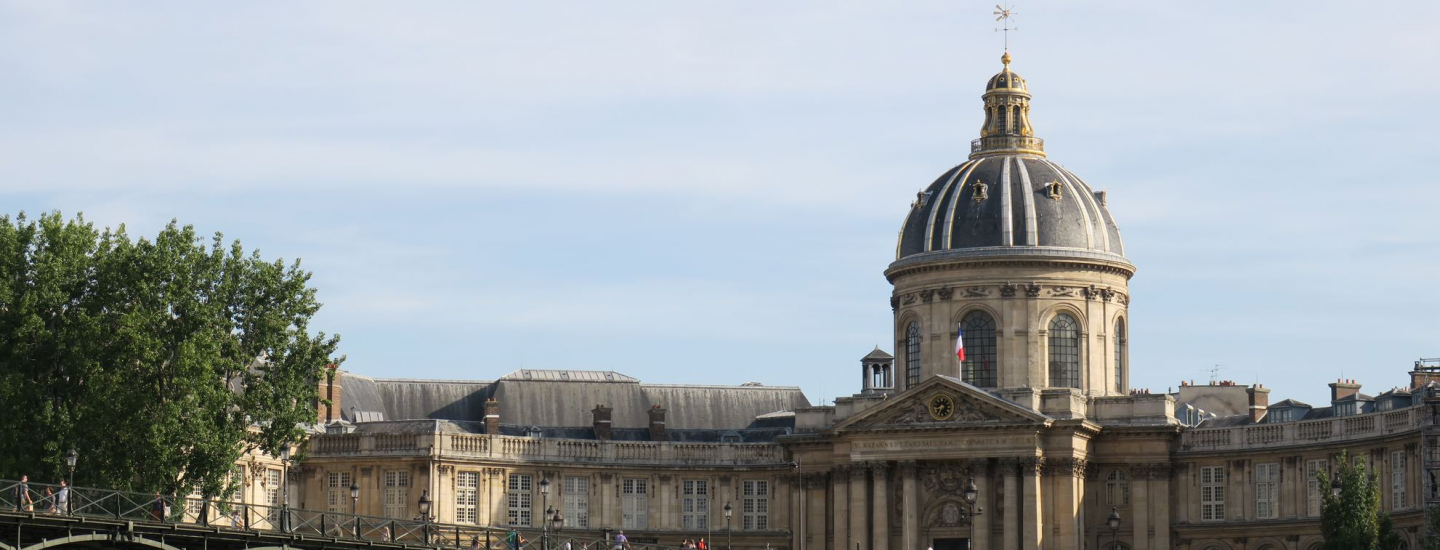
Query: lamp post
{"points": [[544, 520], [728, 511], [1114, 522], [355, 506], [285, 488], [70, 459], [1336, 485], [425, 513]]}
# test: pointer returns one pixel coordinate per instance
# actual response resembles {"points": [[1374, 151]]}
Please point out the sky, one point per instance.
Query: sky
{"points": [[709, 191]]}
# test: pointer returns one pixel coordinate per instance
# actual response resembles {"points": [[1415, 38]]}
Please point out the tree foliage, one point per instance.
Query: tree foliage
{"points": [[1353, 520], [160, 361], [1431, 541]]}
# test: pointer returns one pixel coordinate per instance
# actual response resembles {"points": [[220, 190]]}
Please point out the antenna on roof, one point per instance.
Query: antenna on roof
{"points": [[1215, 373]]}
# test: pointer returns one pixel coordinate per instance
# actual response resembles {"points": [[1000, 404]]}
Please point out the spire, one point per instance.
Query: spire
{"points": [[1007, 127]]}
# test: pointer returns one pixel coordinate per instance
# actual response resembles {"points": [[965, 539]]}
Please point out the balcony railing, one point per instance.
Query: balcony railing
{"points": [[612, 452], [1306, 432], [999, 144], [508, 448]]}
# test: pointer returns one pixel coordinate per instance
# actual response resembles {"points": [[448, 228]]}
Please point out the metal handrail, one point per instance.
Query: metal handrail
{"points": [[162, 509]]}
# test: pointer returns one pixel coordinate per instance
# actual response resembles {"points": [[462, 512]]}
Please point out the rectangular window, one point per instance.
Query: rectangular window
{"points": [[634, 504], [1212, 493], [1397, 480], [695, 504], [467, 485], [1267, 491], [1314, 489], [272, 496], [397, 493], [337, 494], [518, 493], [756, 506], [194, 504], [577, 502]]}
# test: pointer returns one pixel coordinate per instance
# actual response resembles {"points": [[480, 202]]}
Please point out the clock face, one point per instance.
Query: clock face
{"points": [[942, 407]]}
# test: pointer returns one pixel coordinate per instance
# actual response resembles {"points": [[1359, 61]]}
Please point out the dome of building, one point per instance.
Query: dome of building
{"points": [[1008, 199]]}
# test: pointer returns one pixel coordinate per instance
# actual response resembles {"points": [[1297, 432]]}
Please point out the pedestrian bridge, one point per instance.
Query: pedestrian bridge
{"points": [[103, 518]]}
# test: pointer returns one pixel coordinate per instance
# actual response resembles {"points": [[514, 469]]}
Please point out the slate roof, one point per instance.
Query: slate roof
{"points": [[564, 399]]}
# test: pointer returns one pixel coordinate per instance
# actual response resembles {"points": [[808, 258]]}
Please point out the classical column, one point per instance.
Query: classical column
{"points": [[815, 512], [1140, 506], [910, 518], [840, 499], [1030, 524], [858, 520], [1012, 504], [980, 525], [1065, 502], [1160, 508], [880, 505]]}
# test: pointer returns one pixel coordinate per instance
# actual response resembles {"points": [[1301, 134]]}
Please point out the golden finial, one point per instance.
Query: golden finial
{"points": [[1005, 14], [1005, 59]]}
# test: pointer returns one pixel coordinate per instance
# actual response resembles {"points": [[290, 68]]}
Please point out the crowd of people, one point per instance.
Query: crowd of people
{"points": [[52, 501], [515, 541]]}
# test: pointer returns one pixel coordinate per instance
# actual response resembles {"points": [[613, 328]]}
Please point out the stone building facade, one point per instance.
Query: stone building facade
{"points": [[1035, 440]]}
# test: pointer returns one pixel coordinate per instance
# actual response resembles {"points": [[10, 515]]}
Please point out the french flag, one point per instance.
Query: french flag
{"points": [[960, 342]]}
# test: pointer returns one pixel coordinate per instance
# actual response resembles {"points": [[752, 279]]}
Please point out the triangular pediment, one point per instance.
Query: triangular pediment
{"points": [[943, 401]]}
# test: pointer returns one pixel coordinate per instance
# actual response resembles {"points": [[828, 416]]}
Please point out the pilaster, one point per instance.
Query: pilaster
{"points": [[910, 517], [859, 523], [880, 505], [1032, 528], [1011, 536], [980, 525], [840, 504]]}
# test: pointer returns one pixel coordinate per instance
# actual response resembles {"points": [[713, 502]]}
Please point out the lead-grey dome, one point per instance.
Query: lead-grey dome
{"points": [[1008, 205]]}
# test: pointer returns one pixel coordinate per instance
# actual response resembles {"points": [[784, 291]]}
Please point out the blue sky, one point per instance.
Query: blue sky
{"points": [[708, 192]]}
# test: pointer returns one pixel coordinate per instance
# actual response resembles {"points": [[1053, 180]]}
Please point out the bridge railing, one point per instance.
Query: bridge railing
{"points": [[43, 499]]}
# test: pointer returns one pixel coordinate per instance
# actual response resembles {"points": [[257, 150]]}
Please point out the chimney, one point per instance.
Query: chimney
{"points": [[1341, 389], [1259, 401], [1423, 375], [602, 422], [492, 417], [657, 423], [329, 390]]}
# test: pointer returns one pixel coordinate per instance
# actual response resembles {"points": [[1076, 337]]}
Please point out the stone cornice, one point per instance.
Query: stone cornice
{"points": [[950, 260]]}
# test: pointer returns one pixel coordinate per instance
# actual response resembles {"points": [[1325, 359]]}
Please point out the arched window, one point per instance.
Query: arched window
{"points": [[1120, 355], [1117, 489], [979, 367], [1064, 352], [912, 355]]}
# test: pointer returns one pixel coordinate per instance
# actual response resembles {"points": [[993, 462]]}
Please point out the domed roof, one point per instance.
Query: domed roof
{"points": [[1006, 79], [1006, 205], [1009, 199]]}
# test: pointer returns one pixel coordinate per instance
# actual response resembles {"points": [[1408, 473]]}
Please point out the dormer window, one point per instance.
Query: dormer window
{"points": [[731, 436], [1282, 415], [533, 432], [1345, 409]]}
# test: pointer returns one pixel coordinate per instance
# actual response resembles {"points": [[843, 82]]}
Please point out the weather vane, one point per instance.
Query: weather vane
{"points": [[1005, 14]]}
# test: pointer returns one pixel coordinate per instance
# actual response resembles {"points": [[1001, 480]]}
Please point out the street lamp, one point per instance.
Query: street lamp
{"points": [[70, 459], [425, 513], [728, 511], [544, 520], [355, 507], [285, 488], [1335, 485], [1114, 522]]}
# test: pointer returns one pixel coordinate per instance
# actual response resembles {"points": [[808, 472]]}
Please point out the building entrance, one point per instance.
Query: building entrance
{"points": [[952, 544]]}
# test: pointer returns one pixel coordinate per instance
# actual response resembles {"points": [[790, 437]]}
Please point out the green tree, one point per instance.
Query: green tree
{"points": [[1431, 541], [160, 361], [1352, 519]]}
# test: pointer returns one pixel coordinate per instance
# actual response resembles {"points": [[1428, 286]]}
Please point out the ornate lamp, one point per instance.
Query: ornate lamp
{"points": [[425, 504], [1336, 485]]}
